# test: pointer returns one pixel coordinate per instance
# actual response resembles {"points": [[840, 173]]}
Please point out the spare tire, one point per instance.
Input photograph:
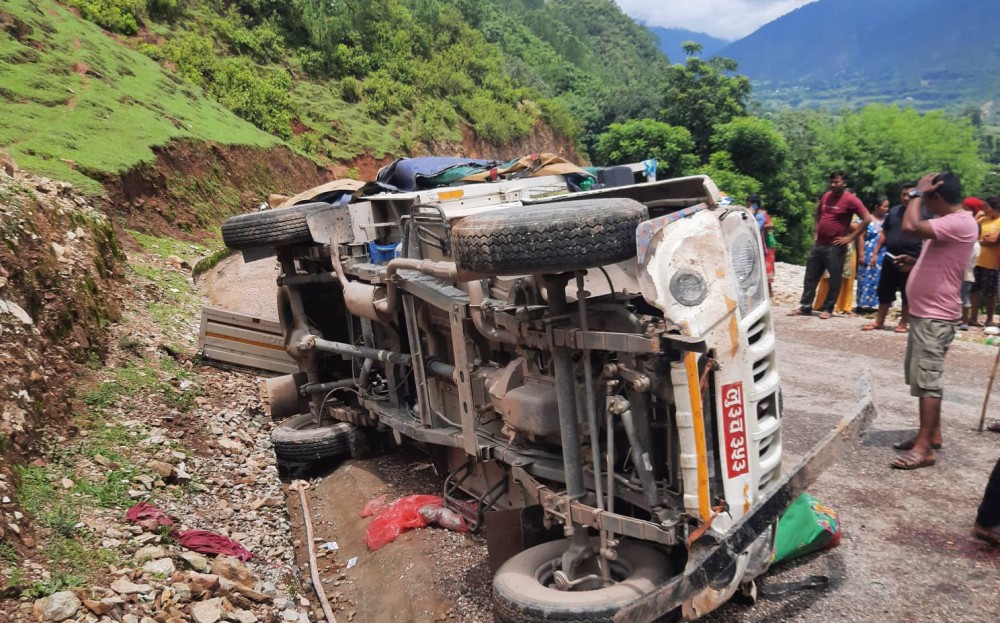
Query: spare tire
{"points": [[548, 238], [270, 228], [299, 439]]}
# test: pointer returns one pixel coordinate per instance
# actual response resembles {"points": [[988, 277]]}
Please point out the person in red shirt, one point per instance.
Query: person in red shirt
{"points": [[832, 239]]}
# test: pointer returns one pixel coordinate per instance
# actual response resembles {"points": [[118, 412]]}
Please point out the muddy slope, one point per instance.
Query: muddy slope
{"points": [[58, 263], [193, 186]]}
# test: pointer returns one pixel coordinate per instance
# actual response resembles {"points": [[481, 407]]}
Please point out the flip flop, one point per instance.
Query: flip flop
{"points": [[873, 327], [825, 316], [994, 426], [799, 312], [910, 461], [909, 443], [901, 329]]}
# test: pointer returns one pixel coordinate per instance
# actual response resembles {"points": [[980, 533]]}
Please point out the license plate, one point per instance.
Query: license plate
{"points": [[733, 407]]}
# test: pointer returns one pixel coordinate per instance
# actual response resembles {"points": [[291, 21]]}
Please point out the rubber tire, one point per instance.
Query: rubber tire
{"points": [[298, 439], [518, 597], [270, 228], [548, 238]]}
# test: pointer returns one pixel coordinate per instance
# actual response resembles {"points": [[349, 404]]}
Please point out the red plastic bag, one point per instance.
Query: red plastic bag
{"points": [[402, 514], [444, 517], [373, 506]]}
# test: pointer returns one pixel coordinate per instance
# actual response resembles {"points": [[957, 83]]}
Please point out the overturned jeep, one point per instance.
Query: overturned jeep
{"points": [[585, 352]]}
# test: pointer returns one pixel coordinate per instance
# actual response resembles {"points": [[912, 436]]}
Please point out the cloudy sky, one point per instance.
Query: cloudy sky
{"points": [[726, 19]]}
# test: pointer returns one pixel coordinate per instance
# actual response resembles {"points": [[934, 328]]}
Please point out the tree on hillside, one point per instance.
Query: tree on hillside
{"points": [[692, 48], [752, 156], [755, 145], [700, 95], [634, 141], [882, 145]]}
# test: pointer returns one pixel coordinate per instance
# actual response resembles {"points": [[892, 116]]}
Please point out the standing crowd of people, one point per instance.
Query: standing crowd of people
{"points": [[941, 254]]}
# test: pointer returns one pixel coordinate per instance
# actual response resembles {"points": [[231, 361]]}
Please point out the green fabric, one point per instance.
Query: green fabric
{"points": [[450, 176], [771, 242], [806, 526]]}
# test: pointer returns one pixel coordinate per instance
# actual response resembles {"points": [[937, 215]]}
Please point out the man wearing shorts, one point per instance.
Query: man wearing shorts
{"points": [[935, 305], [895, 269]]}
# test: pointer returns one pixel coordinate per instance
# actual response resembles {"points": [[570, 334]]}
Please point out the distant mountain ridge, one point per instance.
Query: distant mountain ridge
{"points": [[670, 40], [930, 52]]}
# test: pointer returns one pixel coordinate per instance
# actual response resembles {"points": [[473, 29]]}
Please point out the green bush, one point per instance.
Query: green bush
{"points": [[263, 100], [194, 56], [436, 119], [121, 16], [259, 96], [558, 117], [383, 97], [634, 141], [495, 121], [262, 42], [166, 9], [350, 89], [312, 61]]}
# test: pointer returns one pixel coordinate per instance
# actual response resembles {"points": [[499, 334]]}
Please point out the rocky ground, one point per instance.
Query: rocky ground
{"points": [[144, 422]]}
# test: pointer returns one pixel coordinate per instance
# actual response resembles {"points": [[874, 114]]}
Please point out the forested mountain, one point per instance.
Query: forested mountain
{"points": [[932, 53], [670, 40], [337, 80]]}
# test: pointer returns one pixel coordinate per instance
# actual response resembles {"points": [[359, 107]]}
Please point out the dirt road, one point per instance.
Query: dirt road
{"points": [[906, 555]]}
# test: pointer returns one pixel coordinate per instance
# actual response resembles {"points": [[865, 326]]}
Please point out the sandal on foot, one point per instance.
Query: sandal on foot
{"points": [[901, 329], [990, 535], [911, 461], [909, 443], [994, 426], [873, 327], [825, 315], [800, 312]]}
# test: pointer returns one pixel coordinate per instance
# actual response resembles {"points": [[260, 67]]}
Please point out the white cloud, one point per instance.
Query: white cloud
{"points": [[726, 19]]}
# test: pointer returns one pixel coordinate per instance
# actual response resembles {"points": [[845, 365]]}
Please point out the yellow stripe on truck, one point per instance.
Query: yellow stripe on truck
{"points": [[698, 422]]}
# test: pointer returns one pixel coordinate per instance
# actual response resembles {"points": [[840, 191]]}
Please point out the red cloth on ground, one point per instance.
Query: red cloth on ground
{"points": [[148, 516], [151, 518], [206, 542]]}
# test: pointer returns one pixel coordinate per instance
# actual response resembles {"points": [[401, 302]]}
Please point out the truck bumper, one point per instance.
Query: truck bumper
{"points": [[715, 561]]}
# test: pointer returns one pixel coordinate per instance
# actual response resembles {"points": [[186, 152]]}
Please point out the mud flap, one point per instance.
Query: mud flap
{"points": [[711, 560], [510, 532]]}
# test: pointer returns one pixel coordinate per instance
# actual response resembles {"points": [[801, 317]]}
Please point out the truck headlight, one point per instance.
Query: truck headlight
{"points": [[688, 288], [745, 255]]}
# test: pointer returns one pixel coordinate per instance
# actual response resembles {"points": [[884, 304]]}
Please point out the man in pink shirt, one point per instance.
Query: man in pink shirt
{"points": [[933, 291]]}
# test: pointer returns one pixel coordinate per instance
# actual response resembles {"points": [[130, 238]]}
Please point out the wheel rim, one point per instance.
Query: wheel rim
{"points": [[545, 574]]}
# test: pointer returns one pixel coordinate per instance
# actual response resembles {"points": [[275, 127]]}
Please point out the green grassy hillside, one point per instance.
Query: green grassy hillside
{"points": [[78, 105], [334, 79]]}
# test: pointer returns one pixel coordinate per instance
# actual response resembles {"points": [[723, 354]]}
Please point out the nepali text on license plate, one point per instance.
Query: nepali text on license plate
{"points": [[733, 420]]}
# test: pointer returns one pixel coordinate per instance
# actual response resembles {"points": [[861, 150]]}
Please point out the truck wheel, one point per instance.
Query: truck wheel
{"points": [[299, 439], [523, 590], [548, 238], [270, 228]]}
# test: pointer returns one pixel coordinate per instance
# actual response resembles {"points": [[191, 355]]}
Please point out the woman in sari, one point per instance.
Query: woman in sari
{"points": [[870, 262]]}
